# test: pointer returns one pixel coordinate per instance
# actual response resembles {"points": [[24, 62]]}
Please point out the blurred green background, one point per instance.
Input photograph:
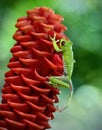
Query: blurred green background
{"points": [[84, 21]]}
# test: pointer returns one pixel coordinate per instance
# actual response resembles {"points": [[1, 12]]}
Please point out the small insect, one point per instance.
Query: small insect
{"points": [[67, 54]]}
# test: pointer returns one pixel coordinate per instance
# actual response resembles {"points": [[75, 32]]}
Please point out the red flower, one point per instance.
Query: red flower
{"points": [[27, 99]]}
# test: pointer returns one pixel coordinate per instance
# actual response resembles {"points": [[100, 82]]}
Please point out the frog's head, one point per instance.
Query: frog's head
{"points": [[65, 44]]}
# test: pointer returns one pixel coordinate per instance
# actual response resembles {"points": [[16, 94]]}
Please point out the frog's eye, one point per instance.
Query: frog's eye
{"points": [[62, 42]]}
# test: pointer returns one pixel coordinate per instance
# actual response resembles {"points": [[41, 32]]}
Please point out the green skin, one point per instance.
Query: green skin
{"points": [[67, 55]]}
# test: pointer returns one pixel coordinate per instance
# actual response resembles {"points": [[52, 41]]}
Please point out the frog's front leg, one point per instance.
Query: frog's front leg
{"points": [[54, 41]]}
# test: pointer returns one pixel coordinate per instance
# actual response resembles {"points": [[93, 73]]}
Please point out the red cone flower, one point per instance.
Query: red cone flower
{"points": [[27, 98]]}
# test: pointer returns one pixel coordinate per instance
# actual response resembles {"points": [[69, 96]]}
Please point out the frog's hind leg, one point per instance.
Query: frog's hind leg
{"points": [[69, 98], [62, 81]]}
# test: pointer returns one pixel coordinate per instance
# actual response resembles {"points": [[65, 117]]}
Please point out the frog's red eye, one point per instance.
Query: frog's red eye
{"points": [[62, 43]]}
